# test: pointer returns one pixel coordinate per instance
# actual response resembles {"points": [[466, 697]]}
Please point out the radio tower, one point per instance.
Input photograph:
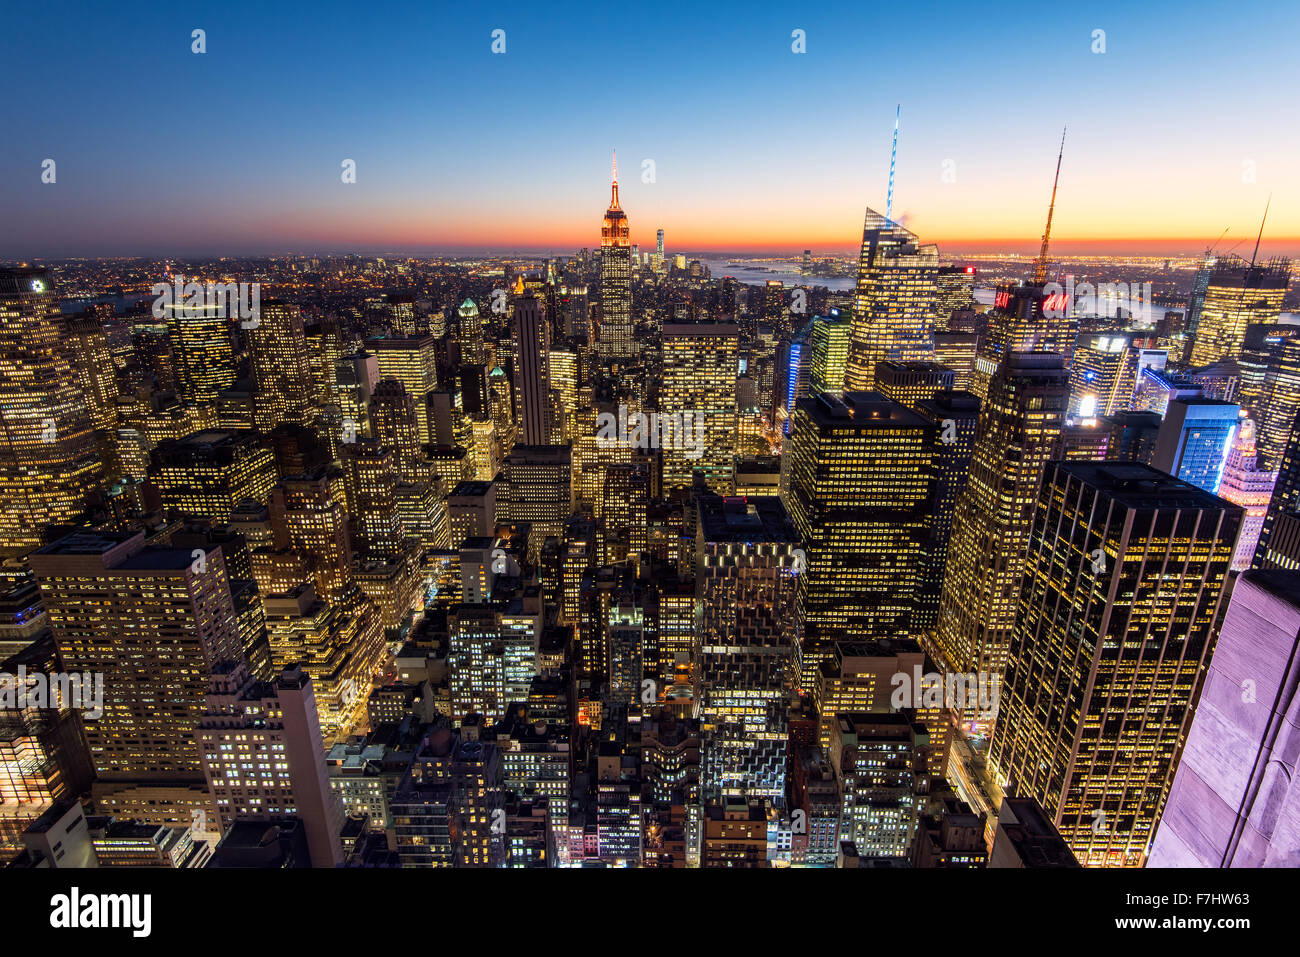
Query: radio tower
{"points": [[1040, 268]]}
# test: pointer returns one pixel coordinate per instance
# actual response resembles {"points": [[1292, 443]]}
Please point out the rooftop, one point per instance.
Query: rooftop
{"points": [[865, 409], [471, 489], [745, 519], [1278, 582], [1136, 485]]}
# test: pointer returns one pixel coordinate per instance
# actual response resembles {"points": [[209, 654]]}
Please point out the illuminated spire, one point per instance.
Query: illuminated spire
{"points": [[1040, 269], [893, 154], [613, 203], [615, 230]]}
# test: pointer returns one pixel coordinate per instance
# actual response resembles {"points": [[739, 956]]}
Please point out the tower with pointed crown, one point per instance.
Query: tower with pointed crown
{"points": [[615, 337]]}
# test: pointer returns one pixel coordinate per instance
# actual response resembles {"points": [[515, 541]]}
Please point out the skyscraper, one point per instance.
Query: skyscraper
{"points": [[1195, 439], [880, 760], [830, 351], [536, 486], [861, 678], [48, 459], [91, 360], [1283, 548], [501, 393], [470, 328], [860, 492], [911, 383], [1027, 838], [372, 497], [1286, 494], [308, 516], [281, 367], [112, 599], [263, 758], [395, 424], [443, 807], [698, 393], [338, 645], [1026, 317], [43, 754], [893, 309], [476, 661], [956, 351], [1196, 300], [1103, 377], [791, 373], [955, 420], [1260, 356], [955, 289], [623, 510], [1119, 609], [209, 473], [746, 644], [563, 372], [412, 362], [1245, 484], [1270, 387], [202, 347], [1238, 294], [1132, 436], [1017, 428], [616, 325], [774, 308], [533, 336]]}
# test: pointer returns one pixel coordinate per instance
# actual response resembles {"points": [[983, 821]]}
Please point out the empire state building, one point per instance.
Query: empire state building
{"points": [[615, 339]]}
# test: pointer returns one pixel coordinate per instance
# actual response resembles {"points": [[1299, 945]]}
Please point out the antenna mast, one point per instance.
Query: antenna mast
{"points": [[1040, 269], [893, 154], [1261, 229]]}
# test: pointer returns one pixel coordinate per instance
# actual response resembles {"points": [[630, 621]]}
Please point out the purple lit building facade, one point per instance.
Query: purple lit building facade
{"points": [[1235, 801]]}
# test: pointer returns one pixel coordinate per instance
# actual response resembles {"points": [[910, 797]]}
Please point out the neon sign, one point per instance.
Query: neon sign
{"points": [[1056, 302]]}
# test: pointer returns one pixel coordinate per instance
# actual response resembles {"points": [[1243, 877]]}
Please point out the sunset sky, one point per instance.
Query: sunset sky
{"points": [[160, 151]]}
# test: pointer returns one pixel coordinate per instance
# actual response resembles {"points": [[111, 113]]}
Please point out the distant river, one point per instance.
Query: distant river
{"points": [[786, 272]]}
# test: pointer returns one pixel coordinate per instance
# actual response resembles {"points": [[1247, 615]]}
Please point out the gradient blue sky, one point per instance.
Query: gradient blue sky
{"points": [[161, 151]]}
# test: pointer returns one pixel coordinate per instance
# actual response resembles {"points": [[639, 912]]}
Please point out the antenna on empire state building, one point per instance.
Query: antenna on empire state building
{"points": [[1040, 268], [613, 202]]}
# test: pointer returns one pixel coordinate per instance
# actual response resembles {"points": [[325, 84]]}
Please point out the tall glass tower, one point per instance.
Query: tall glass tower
{"points": [[48, 458], [1118, 613], [893, 309]]}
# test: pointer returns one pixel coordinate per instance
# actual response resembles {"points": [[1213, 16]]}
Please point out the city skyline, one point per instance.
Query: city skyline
{"points": [[753, 147], [650, 438]]}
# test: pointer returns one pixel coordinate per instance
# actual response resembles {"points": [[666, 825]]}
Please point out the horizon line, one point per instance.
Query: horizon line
{"points": [[1286, 246]]}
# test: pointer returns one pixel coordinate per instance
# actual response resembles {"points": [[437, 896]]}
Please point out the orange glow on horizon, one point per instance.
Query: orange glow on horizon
{"points": [[392, 227]]}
